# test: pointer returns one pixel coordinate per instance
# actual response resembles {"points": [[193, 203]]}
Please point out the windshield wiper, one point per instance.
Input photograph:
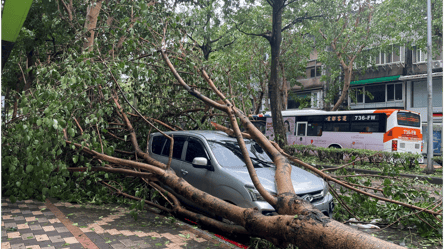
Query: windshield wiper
{"points": [[265, 163]]}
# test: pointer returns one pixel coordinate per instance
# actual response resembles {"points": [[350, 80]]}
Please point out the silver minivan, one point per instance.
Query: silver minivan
{"points": [[212, 162]]}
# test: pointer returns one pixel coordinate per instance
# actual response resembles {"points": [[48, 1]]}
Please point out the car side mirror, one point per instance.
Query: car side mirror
{"points": [[200, 162]]}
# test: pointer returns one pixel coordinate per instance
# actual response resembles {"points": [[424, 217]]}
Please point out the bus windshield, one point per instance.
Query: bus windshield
{"points": [[409, 119]]}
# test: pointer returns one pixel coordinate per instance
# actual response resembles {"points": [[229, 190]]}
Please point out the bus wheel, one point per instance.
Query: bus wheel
{"points": [[334, 146]]}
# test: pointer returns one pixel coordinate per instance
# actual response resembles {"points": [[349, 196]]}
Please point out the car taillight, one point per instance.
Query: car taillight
{"points": [[394, 145]]}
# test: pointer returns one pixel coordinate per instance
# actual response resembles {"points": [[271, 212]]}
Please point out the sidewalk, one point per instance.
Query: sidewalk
{"points": [[52, 224]]}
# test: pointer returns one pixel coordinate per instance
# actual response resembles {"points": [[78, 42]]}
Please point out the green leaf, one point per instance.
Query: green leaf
{"points": [[55, 124], [75, 159], [29, 168]]}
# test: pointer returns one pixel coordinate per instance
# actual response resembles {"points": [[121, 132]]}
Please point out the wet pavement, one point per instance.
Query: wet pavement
{"points": [[55, 224]]}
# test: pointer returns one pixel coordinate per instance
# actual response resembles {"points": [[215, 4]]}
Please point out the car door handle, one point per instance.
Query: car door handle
{"points": [[184, 172]]}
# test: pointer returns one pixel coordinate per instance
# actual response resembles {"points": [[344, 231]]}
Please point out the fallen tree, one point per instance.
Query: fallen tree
{"points": [[85, 124]]}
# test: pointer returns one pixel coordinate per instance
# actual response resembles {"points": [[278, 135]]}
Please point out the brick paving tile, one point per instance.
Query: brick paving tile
{"points": [[48, 228], [113, 231], [35, 227], [3, 223], [42, 237], [7, 217], [118, 246], [62, 229], [29, 201], [4, 233], [128, 242], [37, 213], [33, 247], [127, 233], [27, 236], [22, 206], [4, 204], [56, 239], [140, 234], [47, 213], [28, 219], [18, 246], [142, 244], [6, 245], [10, 224], [18, 218], [26, 211], [71, 240], [23, 226], [48, 247], [14, 235], [52, 221], [43, 220], [15, 211]]}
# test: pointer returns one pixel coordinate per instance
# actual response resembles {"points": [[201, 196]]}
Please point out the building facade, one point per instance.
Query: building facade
{"points": [[398, 79]]}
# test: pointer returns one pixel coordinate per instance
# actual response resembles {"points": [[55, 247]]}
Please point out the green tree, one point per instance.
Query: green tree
{"points": [[269, 21], [346, 29]]}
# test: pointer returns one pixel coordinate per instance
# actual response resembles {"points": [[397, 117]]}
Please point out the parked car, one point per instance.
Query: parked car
{"points": [[212, 162]]}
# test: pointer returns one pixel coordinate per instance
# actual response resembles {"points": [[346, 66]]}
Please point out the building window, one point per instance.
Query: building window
{"points": [[315, 72], [394, 92], [418, 55], [295, 100], [393, 54], [378, 93], [358, 92]]}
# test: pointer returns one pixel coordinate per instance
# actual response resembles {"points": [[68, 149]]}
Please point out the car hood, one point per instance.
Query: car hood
{"points": [[303, 181]]}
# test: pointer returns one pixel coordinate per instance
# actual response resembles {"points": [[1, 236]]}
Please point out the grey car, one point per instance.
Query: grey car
{"points": [[212, 162]]}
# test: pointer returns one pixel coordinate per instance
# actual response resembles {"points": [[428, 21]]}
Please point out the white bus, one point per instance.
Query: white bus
{"points": [[380, 130]]}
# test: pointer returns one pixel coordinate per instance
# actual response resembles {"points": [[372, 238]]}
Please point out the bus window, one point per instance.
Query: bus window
{"points": [[408, 119], [336, 126], [301, 129], [365, 127], [314, 129]]}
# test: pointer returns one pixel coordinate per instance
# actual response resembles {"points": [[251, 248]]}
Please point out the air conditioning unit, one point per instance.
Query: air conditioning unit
{"points": [[436, 64]]}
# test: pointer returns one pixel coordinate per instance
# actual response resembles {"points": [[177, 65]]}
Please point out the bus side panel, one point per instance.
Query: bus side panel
{"points": [[289, 125], [354, 140]]}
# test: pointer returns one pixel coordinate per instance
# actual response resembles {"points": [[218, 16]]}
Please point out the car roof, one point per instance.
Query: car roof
{"points": [[207, 134]]}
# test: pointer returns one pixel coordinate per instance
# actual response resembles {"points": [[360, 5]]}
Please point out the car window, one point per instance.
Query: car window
{"points": [[158, 142], [228, 154], [195, 149], [177, 147]]}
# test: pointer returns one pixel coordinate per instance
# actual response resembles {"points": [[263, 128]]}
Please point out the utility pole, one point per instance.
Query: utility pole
{"points": [[430, 169]]}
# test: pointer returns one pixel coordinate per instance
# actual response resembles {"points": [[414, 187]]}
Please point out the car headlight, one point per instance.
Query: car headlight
{"points": [[254, 194]]}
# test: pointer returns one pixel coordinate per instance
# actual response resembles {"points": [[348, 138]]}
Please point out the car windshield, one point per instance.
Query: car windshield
{"points": [[228, 154]]}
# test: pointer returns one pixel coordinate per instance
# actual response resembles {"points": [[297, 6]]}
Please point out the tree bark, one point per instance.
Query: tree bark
{"points": [[347, 78], [91, 23], [273, 85]]}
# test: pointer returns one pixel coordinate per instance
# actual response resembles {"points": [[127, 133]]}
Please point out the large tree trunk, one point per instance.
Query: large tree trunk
{"points": [[91, 23], [273, 85], [347, 78]]}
